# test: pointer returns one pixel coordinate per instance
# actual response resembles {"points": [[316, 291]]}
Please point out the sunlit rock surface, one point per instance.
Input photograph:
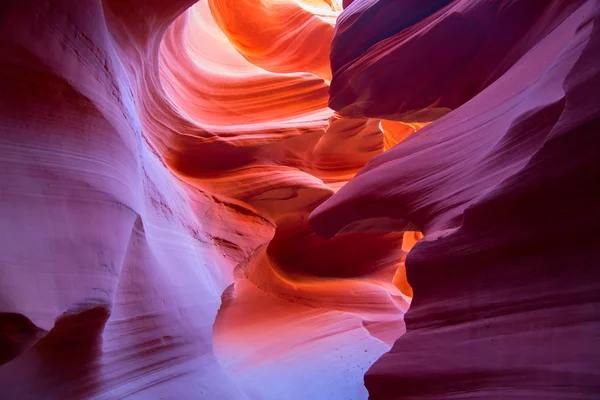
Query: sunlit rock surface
{"points": [[504, 188], [180, 215], [160, 163]]}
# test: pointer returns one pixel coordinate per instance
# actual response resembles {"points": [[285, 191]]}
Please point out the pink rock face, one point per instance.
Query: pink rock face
{"points": [[441, 56], [160, 163], [183, 215], [504, 189]]}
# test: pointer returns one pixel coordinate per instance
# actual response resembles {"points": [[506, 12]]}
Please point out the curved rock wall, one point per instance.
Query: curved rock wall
{"points": [[184, 216], [160, 164], [503, 187]]}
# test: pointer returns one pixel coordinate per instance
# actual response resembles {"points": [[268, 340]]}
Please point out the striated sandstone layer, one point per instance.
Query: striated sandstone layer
{"points": [[184, 216], [160, 162], [112, 266], [504, 188]]}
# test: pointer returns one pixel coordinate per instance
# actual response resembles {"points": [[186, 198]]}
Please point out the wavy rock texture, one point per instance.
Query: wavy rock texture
{"points": [[303, 28], [171, 168], [160, 163], [115, 262], [504, 188]]}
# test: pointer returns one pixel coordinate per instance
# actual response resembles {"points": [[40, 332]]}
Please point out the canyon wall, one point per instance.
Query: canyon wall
{"points": [[217, 199], [160, 162], [504, 188]]}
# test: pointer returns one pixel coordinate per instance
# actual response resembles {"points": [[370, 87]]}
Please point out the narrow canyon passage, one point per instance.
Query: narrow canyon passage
{"points": [[324, 308], [242, 199]]}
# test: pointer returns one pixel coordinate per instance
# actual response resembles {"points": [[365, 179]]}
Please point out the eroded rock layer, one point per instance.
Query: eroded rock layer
{"points": [[184, 216], [504, 188], [160, 162]]}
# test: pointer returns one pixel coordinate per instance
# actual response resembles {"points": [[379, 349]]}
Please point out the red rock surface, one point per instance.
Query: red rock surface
{"points": [[160, 163], [181, 219], [504, 188]]}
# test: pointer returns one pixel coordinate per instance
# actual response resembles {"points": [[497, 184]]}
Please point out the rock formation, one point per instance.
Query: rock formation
{"points": [[158, 178], [503, 187], [217, 199]]}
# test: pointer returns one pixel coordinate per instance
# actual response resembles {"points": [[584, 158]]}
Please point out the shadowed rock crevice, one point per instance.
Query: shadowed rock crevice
{"points": [[64, 362], [17, 334]]}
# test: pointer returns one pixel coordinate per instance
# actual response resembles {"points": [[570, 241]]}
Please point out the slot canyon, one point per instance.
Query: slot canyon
{"points": [[300, 199]]}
